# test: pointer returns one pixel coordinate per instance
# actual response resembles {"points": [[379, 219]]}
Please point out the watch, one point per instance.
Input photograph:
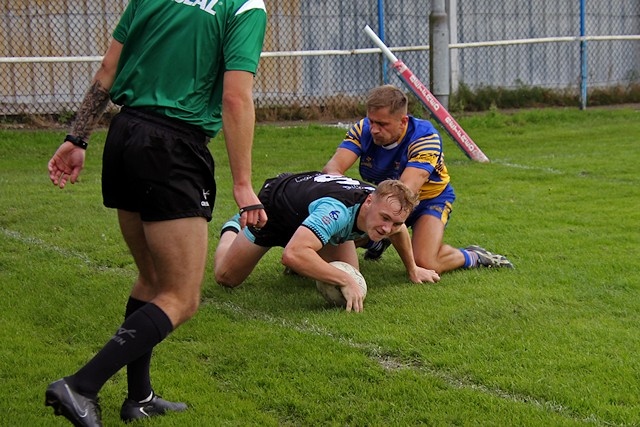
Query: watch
{"points": [[77, 141]]}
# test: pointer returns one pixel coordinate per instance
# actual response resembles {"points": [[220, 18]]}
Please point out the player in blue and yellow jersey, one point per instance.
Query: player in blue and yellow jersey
{"points": [[181, 70], [394, 145], [316, 217]]}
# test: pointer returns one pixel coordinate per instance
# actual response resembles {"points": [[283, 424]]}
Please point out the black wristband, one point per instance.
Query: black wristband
{"points": [[251, 208], [78, 142]]}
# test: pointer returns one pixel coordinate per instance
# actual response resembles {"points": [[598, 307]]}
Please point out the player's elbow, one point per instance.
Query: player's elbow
{"points": [[236, 101], [289, 259], [294, 258]]}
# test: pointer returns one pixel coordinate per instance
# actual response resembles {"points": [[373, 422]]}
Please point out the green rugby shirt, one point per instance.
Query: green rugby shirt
{"points": [[175, 53]]}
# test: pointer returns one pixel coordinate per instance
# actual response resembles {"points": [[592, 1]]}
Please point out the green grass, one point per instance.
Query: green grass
{"points": [[553, 342]]}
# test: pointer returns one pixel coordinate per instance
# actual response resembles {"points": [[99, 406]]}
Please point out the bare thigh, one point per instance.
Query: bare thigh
{"points": [[171, 259], [144, 288], [429, 250], [427, 235]]}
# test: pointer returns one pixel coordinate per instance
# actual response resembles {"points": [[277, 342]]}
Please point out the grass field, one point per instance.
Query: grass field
{"points": [[554, 342]]}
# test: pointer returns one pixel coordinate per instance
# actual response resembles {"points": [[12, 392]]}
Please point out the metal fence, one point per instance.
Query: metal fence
{"points": [[316, 51]]}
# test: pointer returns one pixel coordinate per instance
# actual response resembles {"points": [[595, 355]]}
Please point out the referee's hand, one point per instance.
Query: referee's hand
{"points": [[66, 164]]}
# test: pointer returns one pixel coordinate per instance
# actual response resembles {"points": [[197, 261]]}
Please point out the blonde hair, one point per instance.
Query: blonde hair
{"points": [[387, 96], [397, 190]]}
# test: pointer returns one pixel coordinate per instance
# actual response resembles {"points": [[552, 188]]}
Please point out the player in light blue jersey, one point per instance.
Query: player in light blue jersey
{"points": [[394, 145], [316, 217]]}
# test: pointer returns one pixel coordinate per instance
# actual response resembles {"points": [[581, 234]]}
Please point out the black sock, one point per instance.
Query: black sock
{"points": [[139, 333], [138, 377]]}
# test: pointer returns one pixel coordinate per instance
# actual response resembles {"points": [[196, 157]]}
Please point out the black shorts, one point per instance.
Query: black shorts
{"points": [[157, 166]]}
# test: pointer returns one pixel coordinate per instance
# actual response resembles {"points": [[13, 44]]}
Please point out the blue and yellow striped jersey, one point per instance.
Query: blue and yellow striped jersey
{"points": [[419, 147]]}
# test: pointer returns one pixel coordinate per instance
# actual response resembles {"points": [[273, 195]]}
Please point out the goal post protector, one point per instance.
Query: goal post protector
{"points": [[434, 106]]}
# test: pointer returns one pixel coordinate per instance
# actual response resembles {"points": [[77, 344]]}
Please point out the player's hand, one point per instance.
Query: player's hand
{"points": [[421, 275], [246, 197], [353, 294], [66, 164]]}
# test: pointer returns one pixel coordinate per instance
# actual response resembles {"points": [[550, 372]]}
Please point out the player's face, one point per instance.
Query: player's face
{"points": [[386, 128], [384, 217]]}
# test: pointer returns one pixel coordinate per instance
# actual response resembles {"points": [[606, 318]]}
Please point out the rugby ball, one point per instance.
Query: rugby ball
{"points": [[333, 293]]}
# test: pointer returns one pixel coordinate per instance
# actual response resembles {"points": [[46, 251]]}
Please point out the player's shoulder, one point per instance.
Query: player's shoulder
{"points": [[421, 127], [245, 5], [360, 130], [255, 9], [360, 125]]}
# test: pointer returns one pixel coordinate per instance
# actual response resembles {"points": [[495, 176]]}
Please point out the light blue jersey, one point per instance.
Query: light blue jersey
{"points": [[328, 205]]}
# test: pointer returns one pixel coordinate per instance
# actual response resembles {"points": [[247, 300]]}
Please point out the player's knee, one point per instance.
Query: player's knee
{"points": [[190, 309], [429, 263], [226, 279], [180, 307]]}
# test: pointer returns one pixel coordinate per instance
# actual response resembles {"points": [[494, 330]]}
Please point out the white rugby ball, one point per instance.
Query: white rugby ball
{"points": [[333, 293]]}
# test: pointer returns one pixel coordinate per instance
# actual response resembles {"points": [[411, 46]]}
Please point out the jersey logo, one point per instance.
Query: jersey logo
{"points": [[333, 216], [204, 5], [346, 182], [121, 331], [205, 194], [342, 180]]}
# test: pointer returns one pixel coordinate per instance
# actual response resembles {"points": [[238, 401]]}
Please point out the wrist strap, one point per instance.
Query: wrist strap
{"points": [[78, 142], [251, 208]]}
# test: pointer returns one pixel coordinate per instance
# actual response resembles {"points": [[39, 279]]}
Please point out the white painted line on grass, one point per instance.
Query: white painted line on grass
{"points": [[28, 240], [41, 244], [374, 351], [391, 363]]}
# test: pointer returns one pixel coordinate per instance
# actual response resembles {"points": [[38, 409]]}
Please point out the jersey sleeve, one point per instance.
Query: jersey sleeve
{"points": [[327, 218], [245, 37], [425, 152], [353, 139], [122, 29]]}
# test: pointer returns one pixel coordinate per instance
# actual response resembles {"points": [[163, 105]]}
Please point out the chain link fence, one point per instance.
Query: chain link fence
{"points": [[317, 53]]}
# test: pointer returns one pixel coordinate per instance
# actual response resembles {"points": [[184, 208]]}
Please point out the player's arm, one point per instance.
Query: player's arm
{"points": [[341, 161], [414, 178], [402, 243], [68, 160], [301, 255], [241, 45], [238, 117], [423, 153], [97, 98]]}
